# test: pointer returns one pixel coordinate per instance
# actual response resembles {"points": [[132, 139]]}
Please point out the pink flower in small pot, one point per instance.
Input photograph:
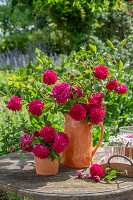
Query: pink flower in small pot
{"points": [[96, 178], [77, 112], [112, 85], [76, 90], [26, 143], [61, 141], [49, 77], [79, 175], [96, 115], [41, 152], [88, 176], [36, 133], [14, 104], [12, 149], [101, 72], [61, 92], [48, 134], [35, 108], [96, 170], [121, 89]]}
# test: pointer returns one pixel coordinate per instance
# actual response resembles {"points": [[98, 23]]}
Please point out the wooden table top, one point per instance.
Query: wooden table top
{"points": [[23, 180]]}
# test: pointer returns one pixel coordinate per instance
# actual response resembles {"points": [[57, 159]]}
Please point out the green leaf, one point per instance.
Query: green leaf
{"points": [[47, 106], [72, 102], [39, 60], [107, 169], [39, 68], [9, 92], [9, 82], [36, 141], [21, 158], [110, 44], [58, 157], [75, 95], [22, 71], [15, 77], [22, 102], [2, 94], [114, 172], [93, 48], [82, 100], [122, 43], [17, 85], [97, 87], [23, 85], [107, 178], [112, 70], [126, 116], [120, 65]]}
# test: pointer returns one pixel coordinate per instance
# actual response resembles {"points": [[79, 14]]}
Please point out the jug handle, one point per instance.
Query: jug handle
{"points": [[101, 138]]}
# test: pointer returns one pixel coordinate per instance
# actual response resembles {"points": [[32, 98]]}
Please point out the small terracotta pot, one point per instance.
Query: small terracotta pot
{"points": [[46, 166]]}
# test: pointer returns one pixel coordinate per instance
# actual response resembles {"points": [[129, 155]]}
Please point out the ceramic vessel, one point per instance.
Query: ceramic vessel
{"points": [[46, 166], [79, 153]]}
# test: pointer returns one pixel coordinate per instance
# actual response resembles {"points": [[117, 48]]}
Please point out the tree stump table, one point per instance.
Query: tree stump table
{"points": [[23, 180]]}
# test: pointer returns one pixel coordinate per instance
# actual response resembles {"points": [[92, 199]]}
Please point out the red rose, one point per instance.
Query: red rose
{"points": [[96, 178], [61, 92], [96, 170], [26, 143], [48, 134], [12, 149], [112, 85], [76, 90], [49, 77], [41, 152], [96, 115], [101, 72], [14, 104], [36, 133], [98, 97], [79, 175], [121, 89], [61, 141], [35, 108], [77, 112]]}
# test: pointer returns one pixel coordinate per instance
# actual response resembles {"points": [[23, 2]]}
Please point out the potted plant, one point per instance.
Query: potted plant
{"points": [[79, 94], [46, 146]]}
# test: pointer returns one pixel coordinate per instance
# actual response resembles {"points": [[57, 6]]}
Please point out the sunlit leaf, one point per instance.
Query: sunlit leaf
{"points": [[9, 82], [110, 44], [122, 43], [93, 48], [2, 94], [120, 65], [39, 60]]}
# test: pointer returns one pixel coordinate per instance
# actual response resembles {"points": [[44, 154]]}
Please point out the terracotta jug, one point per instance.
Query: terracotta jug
{"points": [[79, 153], [46, 166]]}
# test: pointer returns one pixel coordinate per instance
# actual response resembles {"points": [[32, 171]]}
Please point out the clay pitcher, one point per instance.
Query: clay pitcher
{"points": [[79, 153]]}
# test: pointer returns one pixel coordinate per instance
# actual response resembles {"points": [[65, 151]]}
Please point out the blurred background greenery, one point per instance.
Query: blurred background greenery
{"points": [[57, 27]]}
